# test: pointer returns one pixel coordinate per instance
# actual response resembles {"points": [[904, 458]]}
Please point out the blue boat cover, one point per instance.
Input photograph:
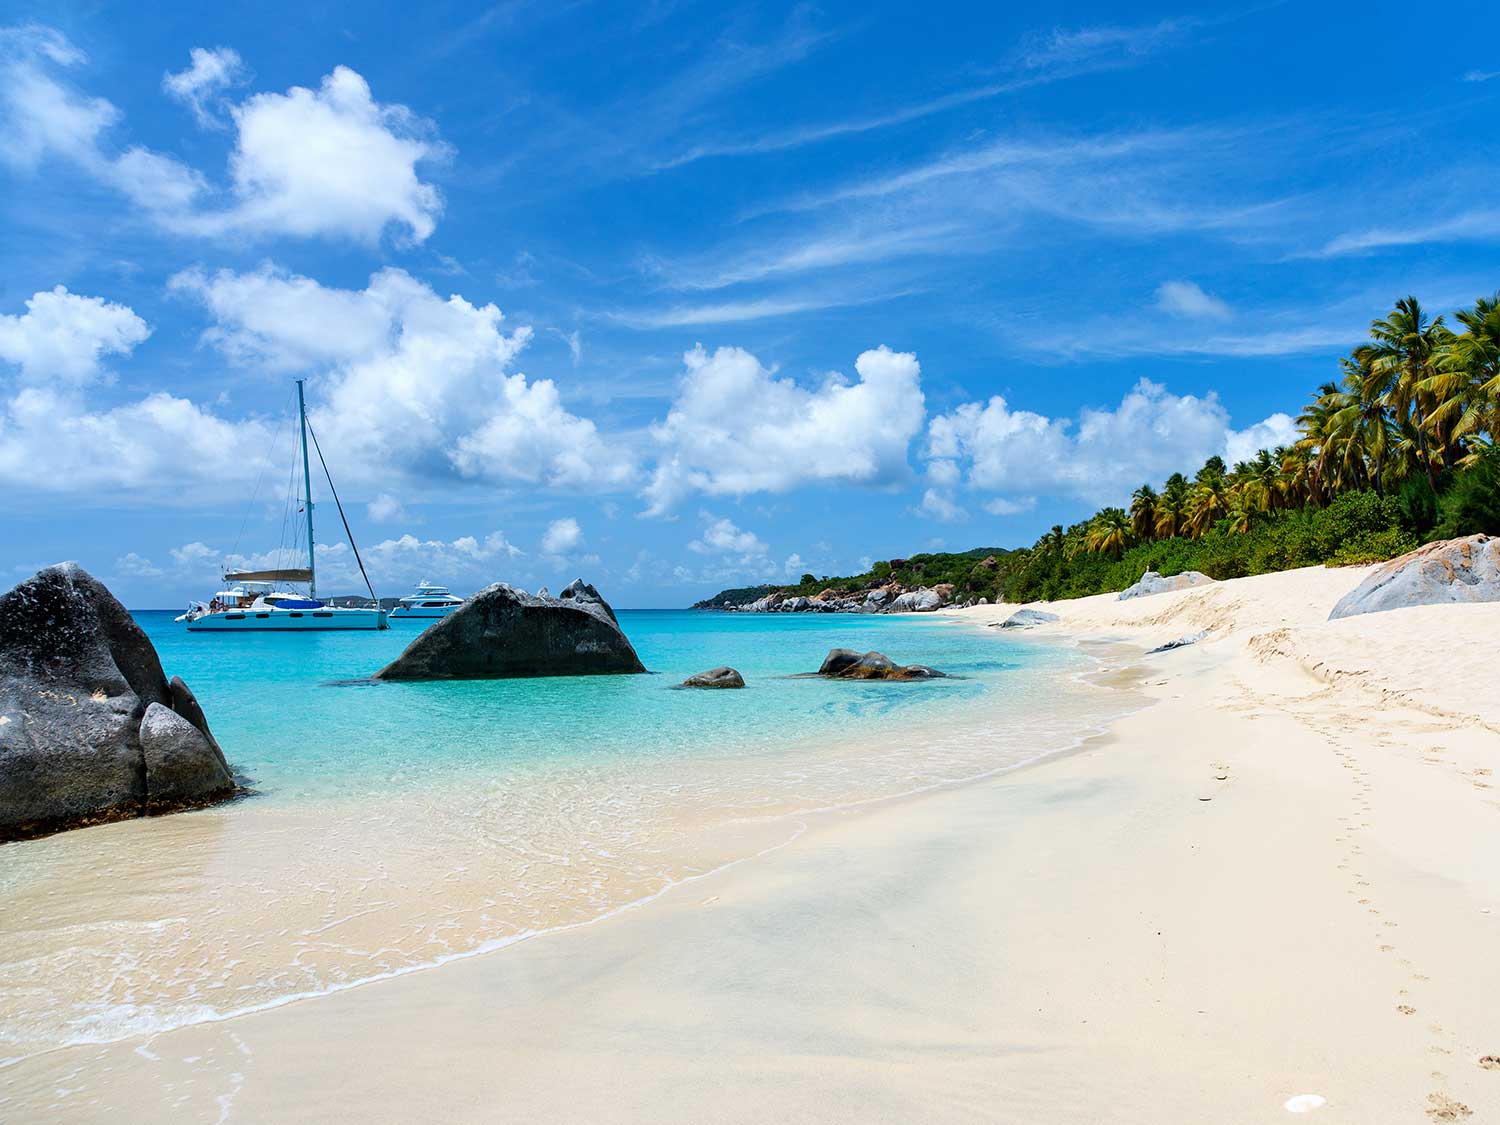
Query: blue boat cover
{"points": [[297, 603]]}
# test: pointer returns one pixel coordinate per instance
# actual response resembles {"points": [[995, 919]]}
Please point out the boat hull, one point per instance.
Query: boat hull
{"points": [[401, 612], [289, 620]]}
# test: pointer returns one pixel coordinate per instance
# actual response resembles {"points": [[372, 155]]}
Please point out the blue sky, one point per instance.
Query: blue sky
{"points": [[679, 296]]}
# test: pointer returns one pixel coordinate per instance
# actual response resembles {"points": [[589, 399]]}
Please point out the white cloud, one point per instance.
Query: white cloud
{"points": [[1005, 506], [722, 537], [1481, 75], [135, 566], [1186, 298], [62, 337], [330, 162], [793, 566], [195, 555], [1270, 432], [1478, 225], [1151, 434], [562, 537], [939, 504], [412, 383], [385, 508], [734, 428], [408, 560], [210, 71], [158, 449]]}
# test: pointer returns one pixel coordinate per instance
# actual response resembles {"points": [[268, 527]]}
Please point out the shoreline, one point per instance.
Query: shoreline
{"points": [[1113, 932]]}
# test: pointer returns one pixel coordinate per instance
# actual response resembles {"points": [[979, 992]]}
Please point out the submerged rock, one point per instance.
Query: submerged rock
{"points": [[1453, 570], [1153, 583], [846, 664], [502, 632], [77, 679], [721, 677], [1026, 618]]}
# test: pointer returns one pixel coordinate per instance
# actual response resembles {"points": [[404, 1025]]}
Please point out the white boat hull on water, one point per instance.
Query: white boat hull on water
{"points": [[255, 619]]}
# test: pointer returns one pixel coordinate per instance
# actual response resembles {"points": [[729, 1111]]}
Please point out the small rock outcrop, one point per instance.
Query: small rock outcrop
{"points": [[917, 601], [1026, 618], [90, 728], [721, 677], [1153, 583], [502, 632], [1180, 642], [846, 664], [1453, 570]]}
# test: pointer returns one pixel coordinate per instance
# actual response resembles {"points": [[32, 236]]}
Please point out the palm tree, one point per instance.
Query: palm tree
{"points": [[1466, 388], [1172, 507], [1399, 360], [1313, 444], [1209, 503], [1110, 532], [1358, 429], [1241, 511], [1143, 511]]}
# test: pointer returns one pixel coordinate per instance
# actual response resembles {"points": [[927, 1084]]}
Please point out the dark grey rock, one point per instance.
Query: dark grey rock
{"points": [[502, 632], [1026, 618], [846, 664], [182, 767], [721, 677], [1453, 570], [77, 676]]}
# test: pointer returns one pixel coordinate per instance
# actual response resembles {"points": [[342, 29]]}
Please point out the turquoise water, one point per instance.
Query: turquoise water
{"points": [[395, 827], [284, 709]]}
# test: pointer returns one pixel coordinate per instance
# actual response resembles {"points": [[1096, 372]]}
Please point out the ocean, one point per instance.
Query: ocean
{"points": [[393, 827]]}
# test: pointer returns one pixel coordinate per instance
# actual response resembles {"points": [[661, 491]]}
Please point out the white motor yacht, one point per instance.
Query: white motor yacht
{"points": [[430, 601]]}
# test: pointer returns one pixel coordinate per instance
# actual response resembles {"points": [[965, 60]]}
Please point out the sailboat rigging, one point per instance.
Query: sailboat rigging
{"points": [[252, 600]]}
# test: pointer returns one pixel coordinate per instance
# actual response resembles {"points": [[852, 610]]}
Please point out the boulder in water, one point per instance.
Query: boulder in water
{"points": [[720, 677], [846, 664], [77, 679], [502, 632], [1453, 570], [1153, 583]]}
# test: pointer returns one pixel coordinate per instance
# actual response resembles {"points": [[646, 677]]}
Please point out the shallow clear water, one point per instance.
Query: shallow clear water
{"points": [[396, 826]]}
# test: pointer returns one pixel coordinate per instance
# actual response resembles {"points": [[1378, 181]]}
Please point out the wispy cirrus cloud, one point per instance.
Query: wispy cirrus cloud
{"points": [[1050, 56], [1481, 225], [733, 312]]}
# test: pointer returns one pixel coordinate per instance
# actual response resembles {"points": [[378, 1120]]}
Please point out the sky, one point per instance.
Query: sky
{"points": [[678, 296]]}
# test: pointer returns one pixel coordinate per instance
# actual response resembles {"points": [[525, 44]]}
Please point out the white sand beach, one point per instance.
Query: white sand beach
{"points": [[1272, 891]]}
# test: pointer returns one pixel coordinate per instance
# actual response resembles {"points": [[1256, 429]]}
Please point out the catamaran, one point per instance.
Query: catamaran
{"points": [[253, 600], [428, 602]]}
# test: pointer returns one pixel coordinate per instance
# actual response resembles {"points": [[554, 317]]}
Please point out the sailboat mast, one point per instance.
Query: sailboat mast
{"points": [[312, 571]]}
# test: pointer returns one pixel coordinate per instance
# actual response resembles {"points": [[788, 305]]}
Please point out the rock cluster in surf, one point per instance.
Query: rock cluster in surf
{"points": [[91, 730], [502, 632], [846, 664]]}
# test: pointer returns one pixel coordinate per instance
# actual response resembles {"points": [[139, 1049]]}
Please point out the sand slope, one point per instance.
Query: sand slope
{"points": [[1086, 940]]}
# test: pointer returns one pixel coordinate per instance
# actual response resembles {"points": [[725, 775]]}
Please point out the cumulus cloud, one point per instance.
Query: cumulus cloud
{"points": [[412, 382], [1102, 457], [1186, 298], [210, 71], [562, 537], [330, 162], [722, 537], [735, 428], [63, 337], [385, 508]]}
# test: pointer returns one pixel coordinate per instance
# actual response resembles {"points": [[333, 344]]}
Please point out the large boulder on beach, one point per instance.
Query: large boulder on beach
{"points": [[1153, 583], [846, 664], [721, 677], [78, 677], [916, 601], [502, 632], [1026, 618], [1453, 570]]}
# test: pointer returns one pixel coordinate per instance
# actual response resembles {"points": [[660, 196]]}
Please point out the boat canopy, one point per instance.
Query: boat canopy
{"points": [[270, 576]]}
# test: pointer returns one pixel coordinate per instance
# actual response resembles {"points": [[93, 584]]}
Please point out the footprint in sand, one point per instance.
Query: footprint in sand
{"points": [[1440, 1107], [1406, 1009], [1387, 948], [1490, 1062]]}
